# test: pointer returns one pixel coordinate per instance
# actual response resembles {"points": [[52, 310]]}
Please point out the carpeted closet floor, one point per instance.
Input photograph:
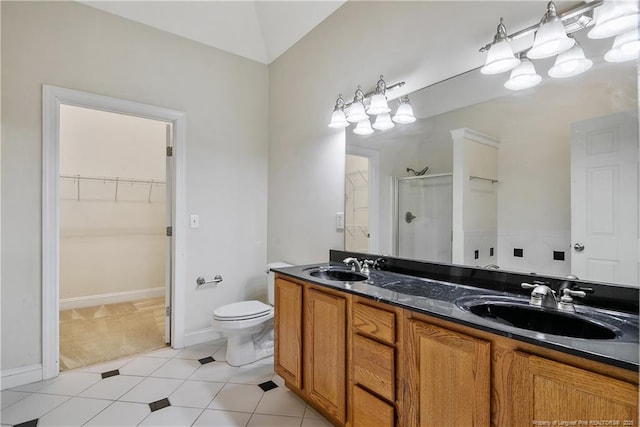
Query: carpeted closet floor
{"points": [[98, 334]]}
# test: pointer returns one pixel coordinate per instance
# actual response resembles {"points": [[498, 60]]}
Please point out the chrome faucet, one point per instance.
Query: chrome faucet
{"points": [[354, 263], [541, 295]]}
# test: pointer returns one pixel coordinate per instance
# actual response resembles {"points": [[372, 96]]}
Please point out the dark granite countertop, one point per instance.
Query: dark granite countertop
{"points": [[438, 298]]}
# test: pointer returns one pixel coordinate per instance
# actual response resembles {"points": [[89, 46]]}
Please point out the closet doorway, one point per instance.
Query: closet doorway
{"points": [[112, 255]]}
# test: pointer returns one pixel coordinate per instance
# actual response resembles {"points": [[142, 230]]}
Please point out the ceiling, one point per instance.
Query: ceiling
{"points": [[258, 30]]}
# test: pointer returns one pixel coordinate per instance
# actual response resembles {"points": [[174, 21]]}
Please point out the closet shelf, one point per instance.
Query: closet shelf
{"points": [[77, 178]]}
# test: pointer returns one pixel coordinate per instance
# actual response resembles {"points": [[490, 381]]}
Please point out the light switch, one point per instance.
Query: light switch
{"points": [[195, 221], [340, 220]]}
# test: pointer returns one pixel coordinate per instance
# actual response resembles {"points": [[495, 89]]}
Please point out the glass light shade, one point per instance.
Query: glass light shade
{"points": [[378, 105], [570, 63], [626, 47], [383, 122], [404, 114], [550, 40], [500, 59], [356, 113], [523, 76], [614, 17], [363, 128], [338, 119]]}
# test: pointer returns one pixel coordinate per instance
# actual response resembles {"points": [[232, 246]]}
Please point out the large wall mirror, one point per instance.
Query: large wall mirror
{"points": [[540, 180]]}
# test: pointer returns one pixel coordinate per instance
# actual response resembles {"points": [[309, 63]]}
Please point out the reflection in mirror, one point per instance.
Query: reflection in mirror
{"points": [[543, 180]]}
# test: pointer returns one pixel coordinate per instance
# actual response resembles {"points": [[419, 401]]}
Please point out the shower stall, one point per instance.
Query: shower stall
{"points": [[423, 217]]}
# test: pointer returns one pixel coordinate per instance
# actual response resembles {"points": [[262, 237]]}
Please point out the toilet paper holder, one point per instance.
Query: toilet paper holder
{"points": [[200, 281]]}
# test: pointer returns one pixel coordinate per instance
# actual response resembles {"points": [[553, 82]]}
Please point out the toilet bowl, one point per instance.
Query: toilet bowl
{"points": [[248, 326]]}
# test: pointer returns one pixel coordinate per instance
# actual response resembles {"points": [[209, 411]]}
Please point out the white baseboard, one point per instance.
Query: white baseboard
{"points": [[20, 376], [201, 336], [112, 298]]}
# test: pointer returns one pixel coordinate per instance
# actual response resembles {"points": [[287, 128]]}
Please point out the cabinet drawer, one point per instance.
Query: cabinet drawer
{"points": [[375, 322], [374, 366], [369, 411]]}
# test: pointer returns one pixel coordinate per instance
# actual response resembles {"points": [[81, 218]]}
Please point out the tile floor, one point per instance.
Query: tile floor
{"points": [[163, 388]]}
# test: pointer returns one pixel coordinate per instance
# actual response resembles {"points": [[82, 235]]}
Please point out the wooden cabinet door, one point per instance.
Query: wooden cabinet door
{"points": [[448, 378], [369, 411], [325, 351], [288, 331], [542, 390]]}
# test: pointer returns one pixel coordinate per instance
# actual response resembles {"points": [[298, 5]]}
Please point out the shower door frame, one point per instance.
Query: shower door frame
{"points": [[52, 98], [395, 207]]}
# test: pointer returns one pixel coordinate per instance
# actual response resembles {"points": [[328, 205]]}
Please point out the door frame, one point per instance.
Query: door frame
{"points": [[373, 193], [52, 98]]}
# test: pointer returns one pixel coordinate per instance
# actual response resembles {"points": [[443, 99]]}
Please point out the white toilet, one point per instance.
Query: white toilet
{"points": [[248, 325]]}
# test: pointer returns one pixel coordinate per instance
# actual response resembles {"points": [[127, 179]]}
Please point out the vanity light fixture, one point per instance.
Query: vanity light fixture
{"points": [[404, 114], [626, 47], [551, 38], [379, 100], [500, 57], [570, 63], [356, 110], [375, 104], [338, 118], [523, 76], [383, 122], [614, 17], [363, 127]]}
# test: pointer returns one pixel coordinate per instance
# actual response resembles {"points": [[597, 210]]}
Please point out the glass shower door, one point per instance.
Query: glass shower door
{"points": [[424, 217]]}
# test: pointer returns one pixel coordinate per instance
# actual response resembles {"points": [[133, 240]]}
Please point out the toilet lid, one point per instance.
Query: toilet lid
{"points": [[242, 310]]}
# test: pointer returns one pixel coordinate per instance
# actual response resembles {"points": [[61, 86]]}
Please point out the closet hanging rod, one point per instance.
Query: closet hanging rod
{"points": [[472, 177], [113, 179]]}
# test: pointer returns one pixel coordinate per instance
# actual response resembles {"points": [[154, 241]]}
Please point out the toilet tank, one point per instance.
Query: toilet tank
{"points": [[271, 279]]}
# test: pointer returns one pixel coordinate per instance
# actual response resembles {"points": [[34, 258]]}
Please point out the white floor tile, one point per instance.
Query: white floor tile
{"points": [[253, 374], [278, 380], [71, 383], [105, 367], [215, 418], [195, 394], [112, 388], [237, 397], [199, 351], [281, 401], [260, 420], [34, 387], [142, 366], [309, 412], [221, 354], [177, 368], [9, 397], [73, 412], [151, 389], [32, 407], [121, 414], [313, 422], [214, 371], [167, 353], [172, 416]]}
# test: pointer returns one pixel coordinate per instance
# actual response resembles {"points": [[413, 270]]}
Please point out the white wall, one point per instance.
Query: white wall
{"points": [[110, 245], [71, 45], [418, 42]]}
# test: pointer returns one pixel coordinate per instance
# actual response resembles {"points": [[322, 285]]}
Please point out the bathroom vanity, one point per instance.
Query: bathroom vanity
{"points": [[406, 347]]}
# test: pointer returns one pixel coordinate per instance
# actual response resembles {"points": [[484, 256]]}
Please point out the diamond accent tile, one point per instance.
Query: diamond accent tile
{"points": [[268, 385], [110, 373], [159, 404]]}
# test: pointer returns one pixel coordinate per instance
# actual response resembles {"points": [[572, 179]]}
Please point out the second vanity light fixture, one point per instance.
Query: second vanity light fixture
{"points": [[371, 104], [612, 18]]}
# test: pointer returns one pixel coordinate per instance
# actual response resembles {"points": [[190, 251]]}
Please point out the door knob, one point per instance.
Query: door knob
{"points": [[579, 247]]}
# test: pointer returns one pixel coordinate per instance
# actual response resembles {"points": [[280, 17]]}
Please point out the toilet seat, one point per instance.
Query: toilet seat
{"points": [[243, 310]]}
